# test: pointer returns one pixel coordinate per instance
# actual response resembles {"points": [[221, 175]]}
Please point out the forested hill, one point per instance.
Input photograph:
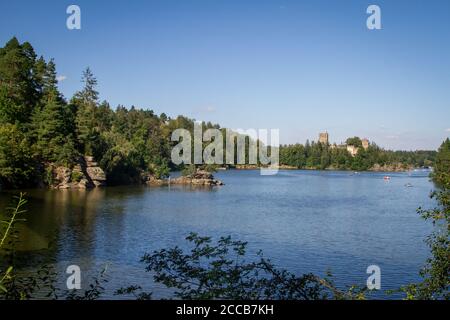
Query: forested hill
{"points": [[41, 129]]}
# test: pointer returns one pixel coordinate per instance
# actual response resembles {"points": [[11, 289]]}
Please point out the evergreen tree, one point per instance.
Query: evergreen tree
{"points": [[86, 104], [18, 82], [442, 165], [51, 122], [17, 167]]}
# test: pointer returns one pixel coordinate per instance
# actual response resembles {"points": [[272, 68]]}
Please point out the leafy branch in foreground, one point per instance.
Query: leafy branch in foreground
{"points": [[9, 224], [95, 288], [7, 236], [219, 271], [436, 272], [14, 285]]}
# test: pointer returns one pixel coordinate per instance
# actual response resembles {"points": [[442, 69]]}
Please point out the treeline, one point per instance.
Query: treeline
{"points": [[314, 155]]}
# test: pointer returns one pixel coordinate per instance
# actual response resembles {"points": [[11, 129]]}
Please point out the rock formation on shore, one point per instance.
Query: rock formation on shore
{"points": [[199, 178], [85, 174]]}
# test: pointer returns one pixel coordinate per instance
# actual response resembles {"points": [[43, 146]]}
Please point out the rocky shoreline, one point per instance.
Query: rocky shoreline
{"points": [[85, 174], [199, 178]]}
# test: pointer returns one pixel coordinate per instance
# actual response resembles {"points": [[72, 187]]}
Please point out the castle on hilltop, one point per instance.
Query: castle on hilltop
{"points": [[353, 150]]}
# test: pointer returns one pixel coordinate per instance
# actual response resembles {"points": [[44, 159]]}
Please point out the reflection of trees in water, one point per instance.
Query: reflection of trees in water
{"points": [[79, 227], [57, 221], [65, 217], [77, 217], [50, 212]]}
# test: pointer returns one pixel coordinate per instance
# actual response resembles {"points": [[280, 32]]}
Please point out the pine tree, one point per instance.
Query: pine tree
{"points": [[89, 94], [86, 103], [52, 121], [18, 83], [17, 167]]}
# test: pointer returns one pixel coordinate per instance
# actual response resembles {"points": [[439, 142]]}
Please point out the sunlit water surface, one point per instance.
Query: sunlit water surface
{"points": [[305, 221]]}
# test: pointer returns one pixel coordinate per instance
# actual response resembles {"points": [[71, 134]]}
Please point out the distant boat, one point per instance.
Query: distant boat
{"points": [[408, 185], [387, 178]]}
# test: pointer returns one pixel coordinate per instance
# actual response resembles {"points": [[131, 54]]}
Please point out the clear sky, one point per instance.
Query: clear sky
{"points": [[300, 66]]}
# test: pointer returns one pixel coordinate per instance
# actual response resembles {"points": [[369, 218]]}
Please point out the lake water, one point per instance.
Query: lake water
{"points": [[305, 221]]}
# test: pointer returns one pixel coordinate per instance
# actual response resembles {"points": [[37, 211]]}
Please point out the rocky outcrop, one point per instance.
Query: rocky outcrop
{"points": [[85, 174], [152, 181], [94, 172], [199, 178], [61, 177]]}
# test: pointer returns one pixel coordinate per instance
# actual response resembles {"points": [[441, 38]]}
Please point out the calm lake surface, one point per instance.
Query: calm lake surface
{"points": [[305, 221]]}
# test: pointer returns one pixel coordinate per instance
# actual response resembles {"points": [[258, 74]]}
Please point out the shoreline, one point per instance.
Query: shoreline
{"points": [[177, 180], [333, 169]]}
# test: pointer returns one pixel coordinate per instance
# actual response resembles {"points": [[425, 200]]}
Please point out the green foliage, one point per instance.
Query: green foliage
{"points": [[354, 141], [39, 128], [319, 156], [210, 168], [19, 86], [76, 176], [220, 271], [17, 166], [95, 288], [188, 170], [134, 291], [34, 118], [53, 137], [48, 178], [86, 105], [160, 171], [436, 272], [8, 230], [442, 165], [10, 287], [16, 285]]}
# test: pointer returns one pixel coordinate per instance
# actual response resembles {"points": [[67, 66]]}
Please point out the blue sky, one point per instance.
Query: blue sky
{"points": [[300, 66]]}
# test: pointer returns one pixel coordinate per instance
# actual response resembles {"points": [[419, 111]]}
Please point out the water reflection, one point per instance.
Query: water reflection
{"points": [[305, 221]]}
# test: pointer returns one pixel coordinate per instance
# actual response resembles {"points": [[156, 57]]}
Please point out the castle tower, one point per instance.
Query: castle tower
{"points": [[323, 137]]}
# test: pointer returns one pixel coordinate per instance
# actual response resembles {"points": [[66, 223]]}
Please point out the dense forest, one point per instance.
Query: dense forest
{"points": [[40, 129]]}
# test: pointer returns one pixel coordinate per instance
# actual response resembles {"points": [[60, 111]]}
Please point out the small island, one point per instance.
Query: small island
{"points": [[197, 178]]}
